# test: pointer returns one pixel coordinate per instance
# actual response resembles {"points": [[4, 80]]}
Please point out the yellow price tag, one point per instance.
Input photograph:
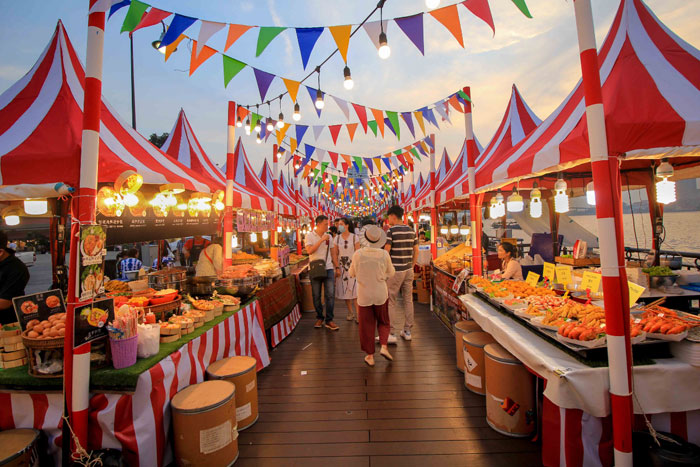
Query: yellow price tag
{"points": [[548, 271], [563, 275], [636, 291], [590, 281], [532, 278]]}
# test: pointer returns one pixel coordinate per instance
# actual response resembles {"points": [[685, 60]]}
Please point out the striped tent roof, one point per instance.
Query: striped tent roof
{"points": [[41, 118], [454, 182], [423, 198], [248, 191]]}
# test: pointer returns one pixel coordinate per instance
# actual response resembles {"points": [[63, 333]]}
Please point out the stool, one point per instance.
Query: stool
{"points": [[510, 393], [461, 328], [473, 345], [239, 370]]}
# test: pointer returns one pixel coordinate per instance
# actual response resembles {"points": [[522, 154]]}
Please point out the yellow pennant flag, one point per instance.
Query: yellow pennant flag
{"points": [[292, 88], [378, 163], [170, 48], [341, 35], [292, 144], [280, 134], [419, 118]]}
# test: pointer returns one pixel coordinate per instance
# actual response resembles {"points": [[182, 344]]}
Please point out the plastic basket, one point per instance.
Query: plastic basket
{"points": [[124, 351]]}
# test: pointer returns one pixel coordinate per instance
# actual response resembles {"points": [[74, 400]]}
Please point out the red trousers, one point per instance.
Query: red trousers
{"points": [[371, 318]]}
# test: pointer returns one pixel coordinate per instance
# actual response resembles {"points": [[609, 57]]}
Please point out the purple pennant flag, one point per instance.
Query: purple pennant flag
{"points": [[408, 118], [412, 26], [300, 129], [263, 128], [307, 38], [177, 26], [312, 93], [429, 116], [290, 156], [387, 122], [264, 80], [368, 161], [429, 142]]}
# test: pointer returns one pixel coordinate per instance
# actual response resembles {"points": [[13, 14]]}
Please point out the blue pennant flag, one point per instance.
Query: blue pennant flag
{"points": [[177, 26]]}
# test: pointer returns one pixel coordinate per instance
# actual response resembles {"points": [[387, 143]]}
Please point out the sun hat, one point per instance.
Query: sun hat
{"points": [[375, 236]]}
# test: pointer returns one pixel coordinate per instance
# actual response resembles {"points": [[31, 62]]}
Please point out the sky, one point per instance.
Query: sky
{"points": [[539, 55]]}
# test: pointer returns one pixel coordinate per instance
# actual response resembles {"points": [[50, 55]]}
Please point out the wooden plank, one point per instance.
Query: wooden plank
{"points": [[365, 405], [356, 461], [305, 416], [370, 424], [428, 413], [460, 460], [440, 434], [304, 437]]}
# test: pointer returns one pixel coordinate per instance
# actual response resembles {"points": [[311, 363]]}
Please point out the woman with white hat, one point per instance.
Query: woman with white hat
{"points": [[371, 265]]}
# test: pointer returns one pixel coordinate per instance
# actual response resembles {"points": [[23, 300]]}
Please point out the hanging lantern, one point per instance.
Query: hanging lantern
{"points": [[234, 241], [515, 203], [492, 209], [253, 237], [464, 229], [11, 215], [665, 188], [279, 229], [139, 208], [36, 207], [109, 202], [500, 206], [454, 229], [535, 202], [265, 234], [444, 230], [561, 198]]}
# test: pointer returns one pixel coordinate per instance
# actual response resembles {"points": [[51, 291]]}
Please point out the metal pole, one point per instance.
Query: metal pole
{"points": [[474, 211], [608, 188], [275, 191], [228, 197], [433, 207], [133, 94]]}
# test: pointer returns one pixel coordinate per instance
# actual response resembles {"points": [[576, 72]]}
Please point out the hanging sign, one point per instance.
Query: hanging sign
{"points": [[636, 291], [590, 281], [548, 271], [91, 321], [532, 279], [91, 262], [38, 306], [457, 284], [563, 274]]}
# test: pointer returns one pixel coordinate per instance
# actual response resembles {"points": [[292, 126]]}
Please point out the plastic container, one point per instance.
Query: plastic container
{"points": [[124, 351]]}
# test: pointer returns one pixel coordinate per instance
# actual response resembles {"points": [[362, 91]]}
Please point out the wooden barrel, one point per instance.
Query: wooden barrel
{"points": [[240, 370], [510, 393], [473, 347], [204, 424], [461, 328], [19, 448]]}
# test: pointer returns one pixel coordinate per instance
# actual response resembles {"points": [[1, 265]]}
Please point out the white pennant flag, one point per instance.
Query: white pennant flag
{"points": [[320, 154], [318, 129], [440, 108], [343, 104], [373, 28], [208, 29]]}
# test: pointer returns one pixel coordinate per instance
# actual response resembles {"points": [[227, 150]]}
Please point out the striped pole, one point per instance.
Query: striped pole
{"points": [[76, 375], [275, 190], [412, 189], [608, 188], [296, 198], [228, 200], [474, 211], [433, 207]]}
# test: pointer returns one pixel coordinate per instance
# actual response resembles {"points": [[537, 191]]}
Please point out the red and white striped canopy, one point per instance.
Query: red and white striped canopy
{"points": [[266, 177], [455, 182], [287, 190], [423, 199], [41, 119], [182, 144], [411, 195], [248, 191], [285, 204], [651, 94]]}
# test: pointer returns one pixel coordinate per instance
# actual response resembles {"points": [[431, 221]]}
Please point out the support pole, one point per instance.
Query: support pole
{"points": [[76, 375], [608, 188], [656, 212], [474, 213], [228, 199], [296, 196], [275, 193], [433, 206]]}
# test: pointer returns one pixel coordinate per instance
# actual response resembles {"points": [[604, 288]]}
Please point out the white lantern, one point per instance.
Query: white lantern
{"points": [[590, 194], [253, 237], [454, 229], [464, 230], [265, 235], [234, 241], [444, 230], [665, 188], [515, 202], [36, 207], [535, 203], [561, 198]]}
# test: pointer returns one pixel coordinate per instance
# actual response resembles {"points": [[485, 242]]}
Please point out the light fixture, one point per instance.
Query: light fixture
{"points": [[279, 228], [258, 139], [280, 121], [590, 194], [296, 116], [500, 208], [270, 126], [297, 165], [258, 127], [454, 229], [11, 215], [464, 230], [492, 209], [665, 188], [444, 230], [36, 207], [384, 51], [348, 83], [535, 202], [561, 198], [234, 241], [218, 200], [265, 235], [432, 3], [515, 202], [109, 202], [247, 126], [253, 237], [288, 230], [319, 100], [157, 43]]}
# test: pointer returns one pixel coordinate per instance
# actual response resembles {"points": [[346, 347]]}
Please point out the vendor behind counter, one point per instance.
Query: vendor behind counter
{"points": [[14, 276], [211, 259]]}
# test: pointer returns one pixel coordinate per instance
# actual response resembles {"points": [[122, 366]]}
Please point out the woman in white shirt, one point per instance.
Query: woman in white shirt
{"points": [[346, 243], [371, 265], [509, 265]]}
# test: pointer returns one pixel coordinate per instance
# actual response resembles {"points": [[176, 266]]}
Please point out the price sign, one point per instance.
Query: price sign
{"points": [[532, 278], [457, 284], [590, 281], [636, 291], [548, 271], [563, 275]]}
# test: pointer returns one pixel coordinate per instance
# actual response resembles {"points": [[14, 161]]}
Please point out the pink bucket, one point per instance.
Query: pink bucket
{"points": [[124, 351]]}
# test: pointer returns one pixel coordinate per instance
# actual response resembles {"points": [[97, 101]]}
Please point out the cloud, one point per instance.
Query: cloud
{"points": [[11, 72]]}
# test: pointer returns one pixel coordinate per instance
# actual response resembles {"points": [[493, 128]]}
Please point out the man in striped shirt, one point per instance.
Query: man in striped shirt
{"points": [[402, 245]]}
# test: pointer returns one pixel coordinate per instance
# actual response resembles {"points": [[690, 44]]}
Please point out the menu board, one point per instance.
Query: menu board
{"points": [[90, 321], [128, 229], [38, 306], [91, 262]]}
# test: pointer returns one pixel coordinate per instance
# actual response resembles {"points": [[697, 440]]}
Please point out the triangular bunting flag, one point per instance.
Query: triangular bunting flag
{"points": [[116, 6], [208, 29], [170, 48], [265, 36], [231, 68], [153, 17], [335, 131], [254, 119], [264, 80], [196, 60], [408, 119], [345, 166], [454, 102], [430, 141], [292, 88], [358, 162], [334, 158], [307, 37], [321, 155], [372, 124], [368, 163], [373, 28], [351, 130], [412, 26], [346, 158], [521, 6], [281, 132], [419, 118], [133, 15], [440, 109], [379, 117], [394, 119], [341, 36], [481, 9], [449, 17], [386, 162], [388, 124], [378, 163], [318, 130], [300, 131], [361, 112], [177, 26], [292, 145], [235, 31], [312, 95], [429, 116], [308, 152], [343, 105]]}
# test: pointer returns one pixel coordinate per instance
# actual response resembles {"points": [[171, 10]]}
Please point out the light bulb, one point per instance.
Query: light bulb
{"points": [[384, 49], [253, 237], [288, 229], [258, 127], [535, 208], [36, 207], [665, 191], [590, 194], [270, 125], [296, 166], [258, 140], [561, 199], [265, 235], [12, 218], [348, 83], [279, 228], [296, 116], [454, 229], [464, 230], [432, 3], [280, 121], [234, 241], [247, 127], [239, 123], [219, 206], [515, 202], [319, 100], [444, 230]]}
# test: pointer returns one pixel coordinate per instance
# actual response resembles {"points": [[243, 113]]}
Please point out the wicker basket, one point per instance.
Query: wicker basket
{"points": [[34, 345], [161, 309]]}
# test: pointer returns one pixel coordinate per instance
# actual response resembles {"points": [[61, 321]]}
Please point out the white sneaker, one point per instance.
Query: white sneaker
{"points": [[406, 335], [391, 340]]}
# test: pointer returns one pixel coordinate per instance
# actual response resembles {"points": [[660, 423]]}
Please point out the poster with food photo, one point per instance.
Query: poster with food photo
{"points": [[91, 261], [91, 321], [38, 306]]}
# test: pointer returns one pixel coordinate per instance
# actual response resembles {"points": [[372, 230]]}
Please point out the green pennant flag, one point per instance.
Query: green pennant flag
{"points": [[464, 96], [414, 151], [254, 119], [394, 119], [358, 161], [134, 15], [522, 7], [398, 152], [373, 125], [265, 36], [316, 172], [324, 166], [335, 179], [231, 68]]}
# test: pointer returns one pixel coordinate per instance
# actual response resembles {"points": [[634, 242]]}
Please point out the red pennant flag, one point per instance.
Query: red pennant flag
{"points": [[334, 158], [151, 18], [361, 112], [335, 131], [204, 55], [480, 9], [402, 159], [345, 168], [351, 130]]}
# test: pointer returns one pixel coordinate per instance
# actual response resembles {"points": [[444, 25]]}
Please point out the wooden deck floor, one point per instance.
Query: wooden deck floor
{"points": [[320, 405]]}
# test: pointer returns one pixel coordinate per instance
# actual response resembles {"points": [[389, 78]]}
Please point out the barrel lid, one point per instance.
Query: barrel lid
{"points": [[203, 396], [497, 352], [232, 366], [13, 442], [467, 325], [478, 338]]}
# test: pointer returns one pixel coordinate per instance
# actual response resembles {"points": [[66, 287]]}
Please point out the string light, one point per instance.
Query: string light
{"points": [[535, 202], [561, 198], [515, 202], [257, 138], [348, 83], [270, 126], [247, 126], [665, 188], [384, 50], [296, 116], [239, 123], [319, 95]]}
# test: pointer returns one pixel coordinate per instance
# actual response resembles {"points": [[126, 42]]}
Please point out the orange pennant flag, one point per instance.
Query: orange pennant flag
{"points": [[307, 169], [204, 55], [419, 118], [292, 88], [379, 117], [351, 130], [409, 158], [341, 35], [170, 48], [292, 144], [449, 17], [234, 32], [281, 132], [313, 164], [454, 102], [378, 163], [346, 158]]}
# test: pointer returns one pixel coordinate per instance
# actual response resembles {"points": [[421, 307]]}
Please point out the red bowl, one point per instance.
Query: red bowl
{"points": [[164, 299]]}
